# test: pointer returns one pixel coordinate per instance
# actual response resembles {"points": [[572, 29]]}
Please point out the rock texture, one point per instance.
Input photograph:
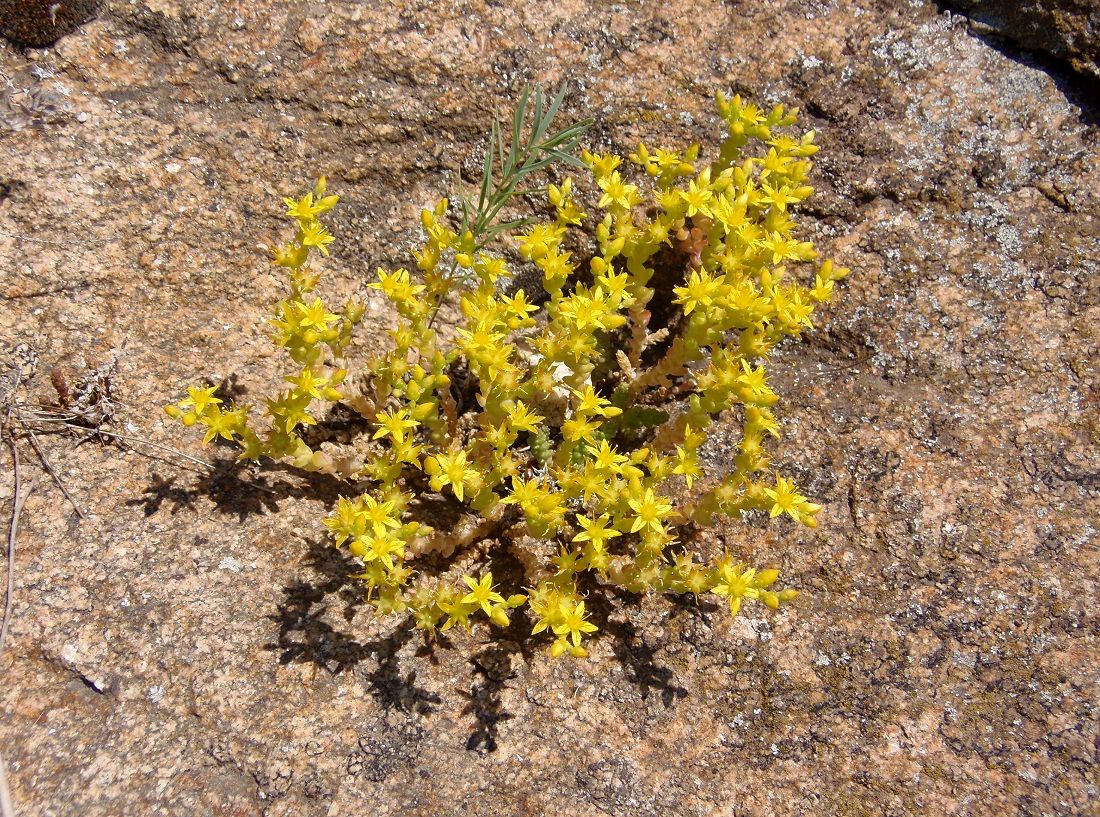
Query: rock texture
{"points": [[43, 22], [194, 647], [1068, 30]]}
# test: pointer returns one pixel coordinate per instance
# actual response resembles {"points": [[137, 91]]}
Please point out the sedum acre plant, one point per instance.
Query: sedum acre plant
{"points": [[564, 417]]}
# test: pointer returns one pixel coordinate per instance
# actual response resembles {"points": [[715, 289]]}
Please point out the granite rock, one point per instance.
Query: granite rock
{"points": [[43, 22], [1068, 30], [194, 646]]}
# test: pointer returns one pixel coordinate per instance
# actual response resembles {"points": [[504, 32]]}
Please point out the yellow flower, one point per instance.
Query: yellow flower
{"points": [[573, 624], [702, 289], [567, 211], [521, 419], [601, 164], [578, 428], [380, 547], [606, 458], [224, 424], [302, 209], [595, 531], [397, 286], [393, 424], [754, 385], [698, 195], [590, 482], [617, 193], [453, 470], [306, 209], [405, 450], [687, 465], [308, 383], [735, 584], [592, 403], [786, 499], [314, 234], [200, 399], [541, 241], [379, 515], [526, 493], [518, 307], [650, 510], [313, 315], [481, 593]]}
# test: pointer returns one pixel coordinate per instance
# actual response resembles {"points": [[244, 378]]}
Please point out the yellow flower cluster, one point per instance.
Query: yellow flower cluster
{"points": [[311, 335], [588, 417]]}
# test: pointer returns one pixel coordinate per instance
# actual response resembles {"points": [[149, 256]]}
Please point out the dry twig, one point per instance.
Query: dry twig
{"points": [[19, 496], [6, 808], [49, 470], [140, 441]]}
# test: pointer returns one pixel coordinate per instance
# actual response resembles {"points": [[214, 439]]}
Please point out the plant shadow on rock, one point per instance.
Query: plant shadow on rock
{"points": [[306, 636], [639, 660], [251, 489], [240, 489], [484, 703]]}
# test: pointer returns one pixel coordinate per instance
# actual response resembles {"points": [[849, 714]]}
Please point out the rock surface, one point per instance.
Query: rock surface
{"points": [[43, 22], [1068, 30], [194, 647]]}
